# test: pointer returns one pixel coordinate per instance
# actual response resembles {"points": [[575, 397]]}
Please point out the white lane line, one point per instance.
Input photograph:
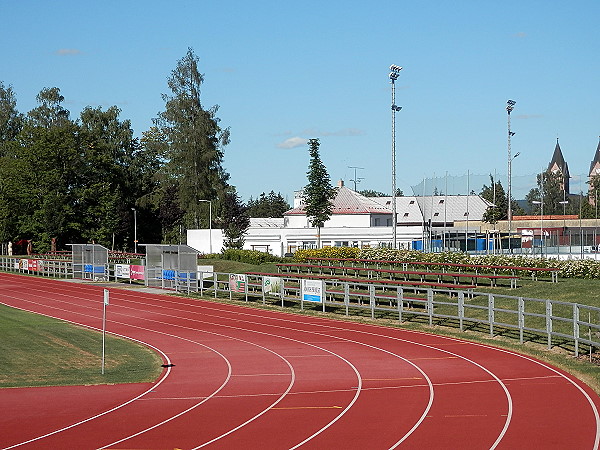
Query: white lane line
{"points": [[140, 396], [357, 392]]}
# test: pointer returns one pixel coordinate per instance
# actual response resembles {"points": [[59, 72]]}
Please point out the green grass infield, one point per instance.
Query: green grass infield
{"points": [[39, 351]]}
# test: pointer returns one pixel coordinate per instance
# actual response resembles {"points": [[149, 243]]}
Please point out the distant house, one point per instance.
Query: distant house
{"points": [[356, 221]]}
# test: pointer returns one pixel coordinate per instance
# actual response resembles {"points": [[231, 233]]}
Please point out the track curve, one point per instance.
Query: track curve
{"points": [[251, 378]]}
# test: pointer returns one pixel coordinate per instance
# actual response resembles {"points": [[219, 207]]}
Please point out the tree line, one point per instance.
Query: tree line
{"points": [[76, 180]]}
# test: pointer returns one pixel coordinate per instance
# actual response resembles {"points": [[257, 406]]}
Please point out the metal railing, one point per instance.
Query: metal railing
{"points": [[572, 326]]}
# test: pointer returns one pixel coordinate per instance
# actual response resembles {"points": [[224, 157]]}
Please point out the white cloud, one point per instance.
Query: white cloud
{"points": [[68, 51], [520, 34], [292, 142]]}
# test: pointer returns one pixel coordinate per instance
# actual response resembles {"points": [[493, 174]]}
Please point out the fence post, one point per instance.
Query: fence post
{"points": [[521, 318], [461, 309], [549, 322], [346, 295], [491, 313], [372, 300], [430, 305], [576, 328], [400, 299], [282, 292]]}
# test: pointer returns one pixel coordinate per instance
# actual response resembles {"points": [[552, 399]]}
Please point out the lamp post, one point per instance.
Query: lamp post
{"points": [[394, 74], [134, 230], [541, 203], [510, 104], [209, 224], [564, 202]]}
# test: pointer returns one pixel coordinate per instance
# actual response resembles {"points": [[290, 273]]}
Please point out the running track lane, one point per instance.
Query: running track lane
{"points": [[258, 379]]}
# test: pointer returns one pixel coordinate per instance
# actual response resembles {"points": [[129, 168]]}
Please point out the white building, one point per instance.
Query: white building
{"points": [[356, 221]]}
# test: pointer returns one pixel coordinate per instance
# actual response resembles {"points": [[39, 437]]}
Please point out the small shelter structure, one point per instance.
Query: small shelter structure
{"points": [[90, 261], [171, 266]]}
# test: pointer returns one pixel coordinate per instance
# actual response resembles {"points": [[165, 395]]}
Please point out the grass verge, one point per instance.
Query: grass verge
{"points": [[39, 351]]}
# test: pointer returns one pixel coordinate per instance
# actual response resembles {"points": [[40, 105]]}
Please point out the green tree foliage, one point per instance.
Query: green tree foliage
{"points": [[318, 193], [195, 140], [234, 220], [549, 190], [372, 193], [268, 205], [11, 121], [71, 181], [495, 194]]}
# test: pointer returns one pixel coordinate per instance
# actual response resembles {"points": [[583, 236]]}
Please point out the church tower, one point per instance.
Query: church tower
{"points": [[595, 165], [558, 164], [594, 172]]}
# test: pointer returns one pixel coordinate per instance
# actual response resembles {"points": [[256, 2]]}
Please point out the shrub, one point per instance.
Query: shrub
{"points": [[248, 256], [327, 252]]}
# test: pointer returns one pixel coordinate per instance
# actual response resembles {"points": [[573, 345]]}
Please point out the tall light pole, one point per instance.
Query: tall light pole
{"points": [[564, 203], [134, 230], [209, 224], [541, 203], [394, 74], [510, 104]]}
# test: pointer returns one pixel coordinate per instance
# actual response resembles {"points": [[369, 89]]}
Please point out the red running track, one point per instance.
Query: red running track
{"points": [[248, 378]]}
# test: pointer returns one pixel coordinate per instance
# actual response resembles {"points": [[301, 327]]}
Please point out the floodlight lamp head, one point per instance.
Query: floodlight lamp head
{"points": [[393, 76], [510, 105], [395, 68], [516, 154]]}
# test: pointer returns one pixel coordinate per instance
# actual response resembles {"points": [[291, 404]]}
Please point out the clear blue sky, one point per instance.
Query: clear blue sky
{"points": [[283, 72]]}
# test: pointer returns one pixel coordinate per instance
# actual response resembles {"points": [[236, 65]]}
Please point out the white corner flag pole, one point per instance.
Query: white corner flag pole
{"points": [[106, 302]]}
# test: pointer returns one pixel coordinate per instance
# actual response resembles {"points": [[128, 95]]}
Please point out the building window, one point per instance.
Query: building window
{"points": [[441, 201], [436, 214], [376, 223], [412, 202], [405, 214]]}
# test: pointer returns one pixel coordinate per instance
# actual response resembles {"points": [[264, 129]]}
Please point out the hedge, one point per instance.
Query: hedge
{"points": [[586, 268]]}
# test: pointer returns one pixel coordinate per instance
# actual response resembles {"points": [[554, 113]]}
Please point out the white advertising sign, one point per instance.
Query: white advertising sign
{"points": [[312, 290]]}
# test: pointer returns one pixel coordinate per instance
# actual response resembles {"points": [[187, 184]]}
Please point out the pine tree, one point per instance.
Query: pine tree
{"points": [[318, 193]]}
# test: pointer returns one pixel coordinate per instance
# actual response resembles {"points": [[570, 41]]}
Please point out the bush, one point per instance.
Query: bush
{"points": [[327, 252], [248, 256]]}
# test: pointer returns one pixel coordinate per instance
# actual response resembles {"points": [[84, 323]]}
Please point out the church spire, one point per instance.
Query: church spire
{"points": [[558, 164], [595, 164]]}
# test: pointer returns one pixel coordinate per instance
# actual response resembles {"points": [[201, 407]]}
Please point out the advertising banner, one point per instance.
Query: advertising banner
{"points": [[136, 272], [313, 290], [272, 285], [237, 282], [32, 265], [122, 271]]}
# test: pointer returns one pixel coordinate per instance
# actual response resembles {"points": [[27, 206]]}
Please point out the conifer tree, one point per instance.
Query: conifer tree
{"points": [[318, 193]]}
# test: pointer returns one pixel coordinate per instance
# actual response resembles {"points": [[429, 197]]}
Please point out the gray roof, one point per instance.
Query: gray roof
{"points": [[347, 201], [438, 208]]}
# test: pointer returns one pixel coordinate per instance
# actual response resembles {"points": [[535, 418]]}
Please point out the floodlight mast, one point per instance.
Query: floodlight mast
{"points": [[394, 74], [510, 104]]}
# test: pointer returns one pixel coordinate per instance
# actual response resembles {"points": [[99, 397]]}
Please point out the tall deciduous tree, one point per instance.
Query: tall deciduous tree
{"points": [[11, 121], [195, 140], [318, 193], [549, 190]]}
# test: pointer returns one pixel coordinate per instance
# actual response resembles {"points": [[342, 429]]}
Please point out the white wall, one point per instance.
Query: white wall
{"points": [[199, 240]]}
